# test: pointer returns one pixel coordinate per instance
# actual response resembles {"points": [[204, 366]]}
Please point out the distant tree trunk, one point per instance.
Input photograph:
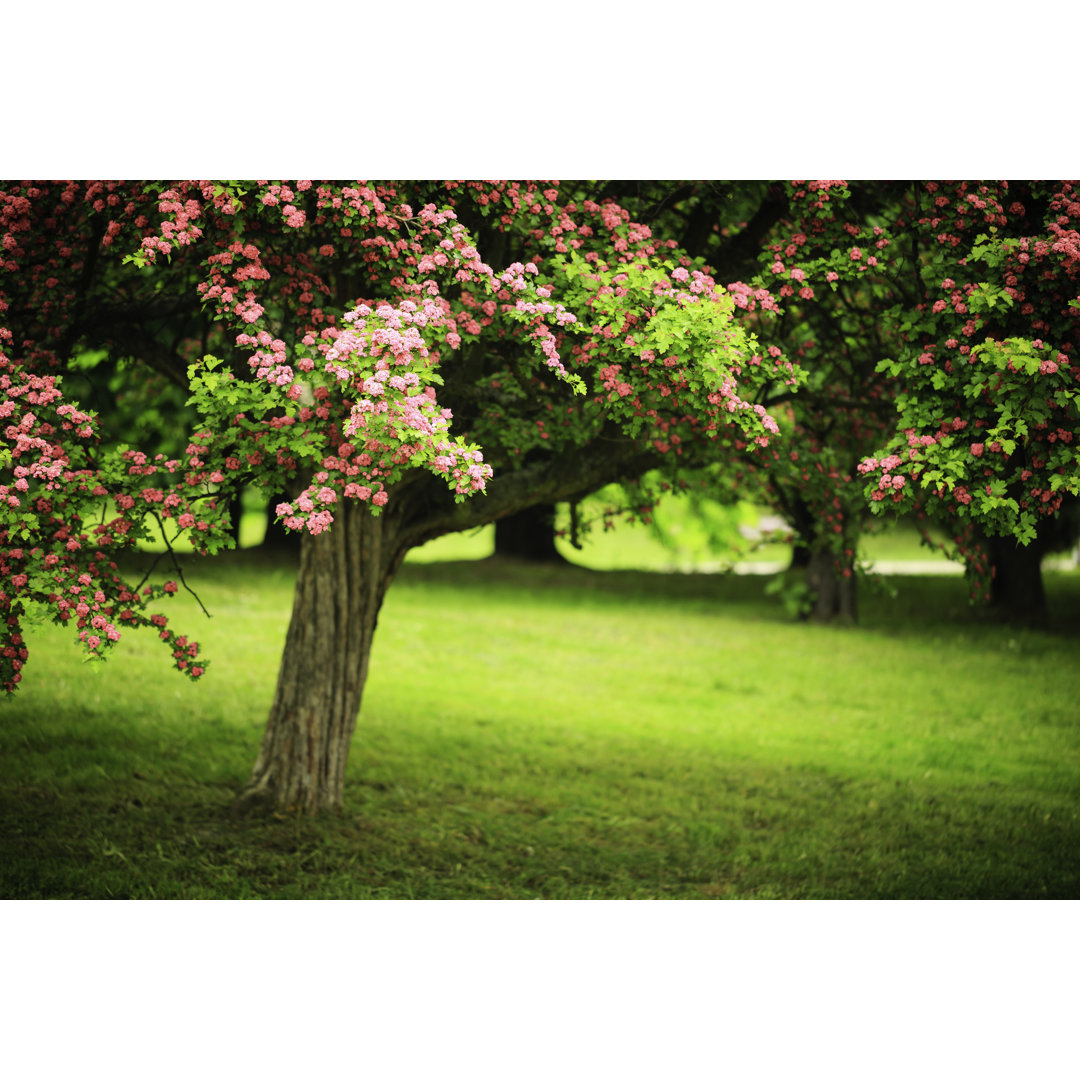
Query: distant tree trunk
{"points": [[277, 538], [1016, 588], [342, 579], [831, 579], [236, 513], [800, 557], [529, 534], [802, 522], [834, 595]]}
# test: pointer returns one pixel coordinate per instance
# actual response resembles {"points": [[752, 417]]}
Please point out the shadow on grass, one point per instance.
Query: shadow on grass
{"points": [[100, 805], [601, 818]]}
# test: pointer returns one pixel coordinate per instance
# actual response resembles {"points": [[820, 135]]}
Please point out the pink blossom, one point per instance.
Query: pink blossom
{"points": [[320, 522]]}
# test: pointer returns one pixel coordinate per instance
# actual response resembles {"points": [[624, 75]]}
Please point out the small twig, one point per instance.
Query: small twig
{"points": [[189, 588], [149, 572], [176, 564]]}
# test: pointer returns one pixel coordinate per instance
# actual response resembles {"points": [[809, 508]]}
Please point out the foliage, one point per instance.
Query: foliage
{"points": [[330, 333], [838, 350], [938, 323]]}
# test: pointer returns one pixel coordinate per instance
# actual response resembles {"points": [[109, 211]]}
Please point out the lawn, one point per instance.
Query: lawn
{"points": [[567, 733]]}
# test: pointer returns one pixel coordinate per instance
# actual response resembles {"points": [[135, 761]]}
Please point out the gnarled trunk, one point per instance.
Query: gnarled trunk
{"points": [[341, 582], [342, 579]]}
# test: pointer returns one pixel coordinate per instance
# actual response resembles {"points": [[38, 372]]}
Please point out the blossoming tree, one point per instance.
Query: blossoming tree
{"points": [[404, 360], [777, 237], [989, 417], [940, 324]]}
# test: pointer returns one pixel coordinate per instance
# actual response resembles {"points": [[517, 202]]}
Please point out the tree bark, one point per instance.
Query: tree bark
{"points": [[800, 557], [342, 579], [834, 596], [341, 583], [1016, 587]]}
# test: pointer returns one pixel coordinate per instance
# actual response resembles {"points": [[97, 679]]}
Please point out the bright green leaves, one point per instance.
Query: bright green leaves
{"points": [[219, 395], [986, 297], [991, 439], [663, 344], [1011, 355]]}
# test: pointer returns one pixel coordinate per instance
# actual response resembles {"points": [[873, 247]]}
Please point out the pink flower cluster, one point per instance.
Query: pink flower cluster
{"points": [[62, 561], [749, 299]]}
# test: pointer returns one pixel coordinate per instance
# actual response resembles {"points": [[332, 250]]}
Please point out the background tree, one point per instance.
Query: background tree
{"points": [[762, 232], [987, 421], [834, 329], [922, 312]]}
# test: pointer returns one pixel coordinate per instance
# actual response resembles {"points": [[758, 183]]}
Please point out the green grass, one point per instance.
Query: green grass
{"points": [[564, 733]]}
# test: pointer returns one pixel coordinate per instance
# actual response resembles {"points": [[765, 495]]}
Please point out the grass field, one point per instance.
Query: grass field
{"points": [[567, 733]]}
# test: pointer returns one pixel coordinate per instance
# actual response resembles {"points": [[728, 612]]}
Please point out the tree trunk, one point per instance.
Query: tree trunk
{"points": [[529, 534], [833, 591], [277, 538], [342, 579], [1016, 589], [800, 557], [236, 513], [803, 525]]}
